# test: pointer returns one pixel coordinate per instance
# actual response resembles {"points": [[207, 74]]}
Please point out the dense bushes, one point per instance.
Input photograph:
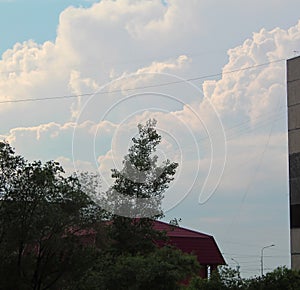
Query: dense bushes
{"points": [[228, 279]]}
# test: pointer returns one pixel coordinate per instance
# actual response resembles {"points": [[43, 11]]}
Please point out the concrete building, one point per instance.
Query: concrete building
{"points": [[293, 96]]}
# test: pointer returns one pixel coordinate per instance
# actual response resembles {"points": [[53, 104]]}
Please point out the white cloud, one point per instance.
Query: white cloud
{"points": [[70, 166], [92, 46], [145, 44], [96, 44], [251, 93]]}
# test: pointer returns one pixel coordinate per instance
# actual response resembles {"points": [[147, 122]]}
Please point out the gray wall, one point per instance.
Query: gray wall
{"points": [[293, 93]]}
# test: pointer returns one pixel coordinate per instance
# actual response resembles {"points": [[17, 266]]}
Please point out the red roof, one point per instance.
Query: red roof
{"points": [[189, 241]]}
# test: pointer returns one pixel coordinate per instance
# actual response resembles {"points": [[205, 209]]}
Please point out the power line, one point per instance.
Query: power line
{"points": [[238, 129], [252, 179], [141, 87]]}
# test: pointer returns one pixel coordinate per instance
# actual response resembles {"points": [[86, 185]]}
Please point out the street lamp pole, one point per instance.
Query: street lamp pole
{"points": [[262, 258]]}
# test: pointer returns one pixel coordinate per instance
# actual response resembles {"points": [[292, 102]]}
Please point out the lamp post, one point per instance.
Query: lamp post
{"points": [[262, 258], [237, 266]]}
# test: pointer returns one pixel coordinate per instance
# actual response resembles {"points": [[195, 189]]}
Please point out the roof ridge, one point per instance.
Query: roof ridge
{"points": [[183, 228]]}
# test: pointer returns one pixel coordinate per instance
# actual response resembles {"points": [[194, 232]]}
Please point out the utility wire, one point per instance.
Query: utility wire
{"points": [[252, 179], [142, 87]]}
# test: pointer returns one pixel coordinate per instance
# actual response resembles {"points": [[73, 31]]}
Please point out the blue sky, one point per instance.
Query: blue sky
{"points": [[122, 62], [31, 19]]}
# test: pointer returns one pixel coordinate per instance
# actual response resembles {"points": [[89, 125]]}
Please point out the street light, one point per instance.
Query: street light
{"points": [[237, 266], [262, 258]]}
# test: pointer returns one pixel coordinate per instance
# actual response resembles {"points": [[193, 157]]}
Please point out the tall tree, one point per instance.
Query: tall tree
{"points": [[137, 192], [133, 260], [42, 213]]}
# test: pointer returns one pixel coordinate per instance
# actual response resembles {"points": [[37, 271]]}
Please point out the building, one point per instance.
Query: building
{"points": [[293, 101], [203, 246], [199, 244]]}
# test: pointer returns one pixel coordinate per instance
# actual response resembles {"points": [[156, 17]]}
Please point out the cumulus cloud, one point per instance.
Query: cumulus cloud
{"points": [[250, 93], [93, 53], [93, 46], [45, 141], [129, 61]]}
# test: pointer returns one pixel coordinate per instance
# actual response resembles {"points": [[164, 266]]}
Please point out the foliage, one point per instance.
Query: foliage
{"points": [[46, 219], [224, 278], [163, 268], [133, 260], [228, 279], [141, 184], [41, 212], [280, 278]]}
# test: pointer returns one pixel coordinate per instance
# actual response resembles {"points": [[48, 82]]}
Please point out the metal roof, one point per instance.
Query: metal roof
{"points": [[202, 245]]}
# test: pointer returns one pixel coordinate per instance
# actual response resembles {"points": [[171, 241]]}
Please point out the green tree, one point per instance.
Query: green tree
{"points": [[163, 268], [137, 192], [280, 278], [133, 259], [229, 279], [42, 214], [224, 279]]}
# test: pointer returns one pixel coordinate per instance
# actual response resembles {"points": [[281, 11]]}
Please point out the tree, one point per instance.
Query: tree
{"points": [[140, 185], [229, 279], [161, 269], [280, 278], [133, 260], [137, 193], [225, 278], [41, 215]]}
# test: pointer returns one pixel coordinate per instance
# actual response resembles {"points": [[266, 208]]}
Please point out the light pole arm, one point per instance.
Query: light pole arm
{"points": [[262, 258]]}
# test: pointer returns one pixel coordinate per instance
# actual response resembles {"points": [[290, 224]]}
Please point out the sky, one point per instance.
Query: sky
{"points": [[76, 77]]}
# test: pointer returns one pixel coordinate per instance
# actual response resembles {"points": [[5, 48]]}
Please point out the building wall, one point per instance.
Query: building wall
{"points": [[293, 93]]}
